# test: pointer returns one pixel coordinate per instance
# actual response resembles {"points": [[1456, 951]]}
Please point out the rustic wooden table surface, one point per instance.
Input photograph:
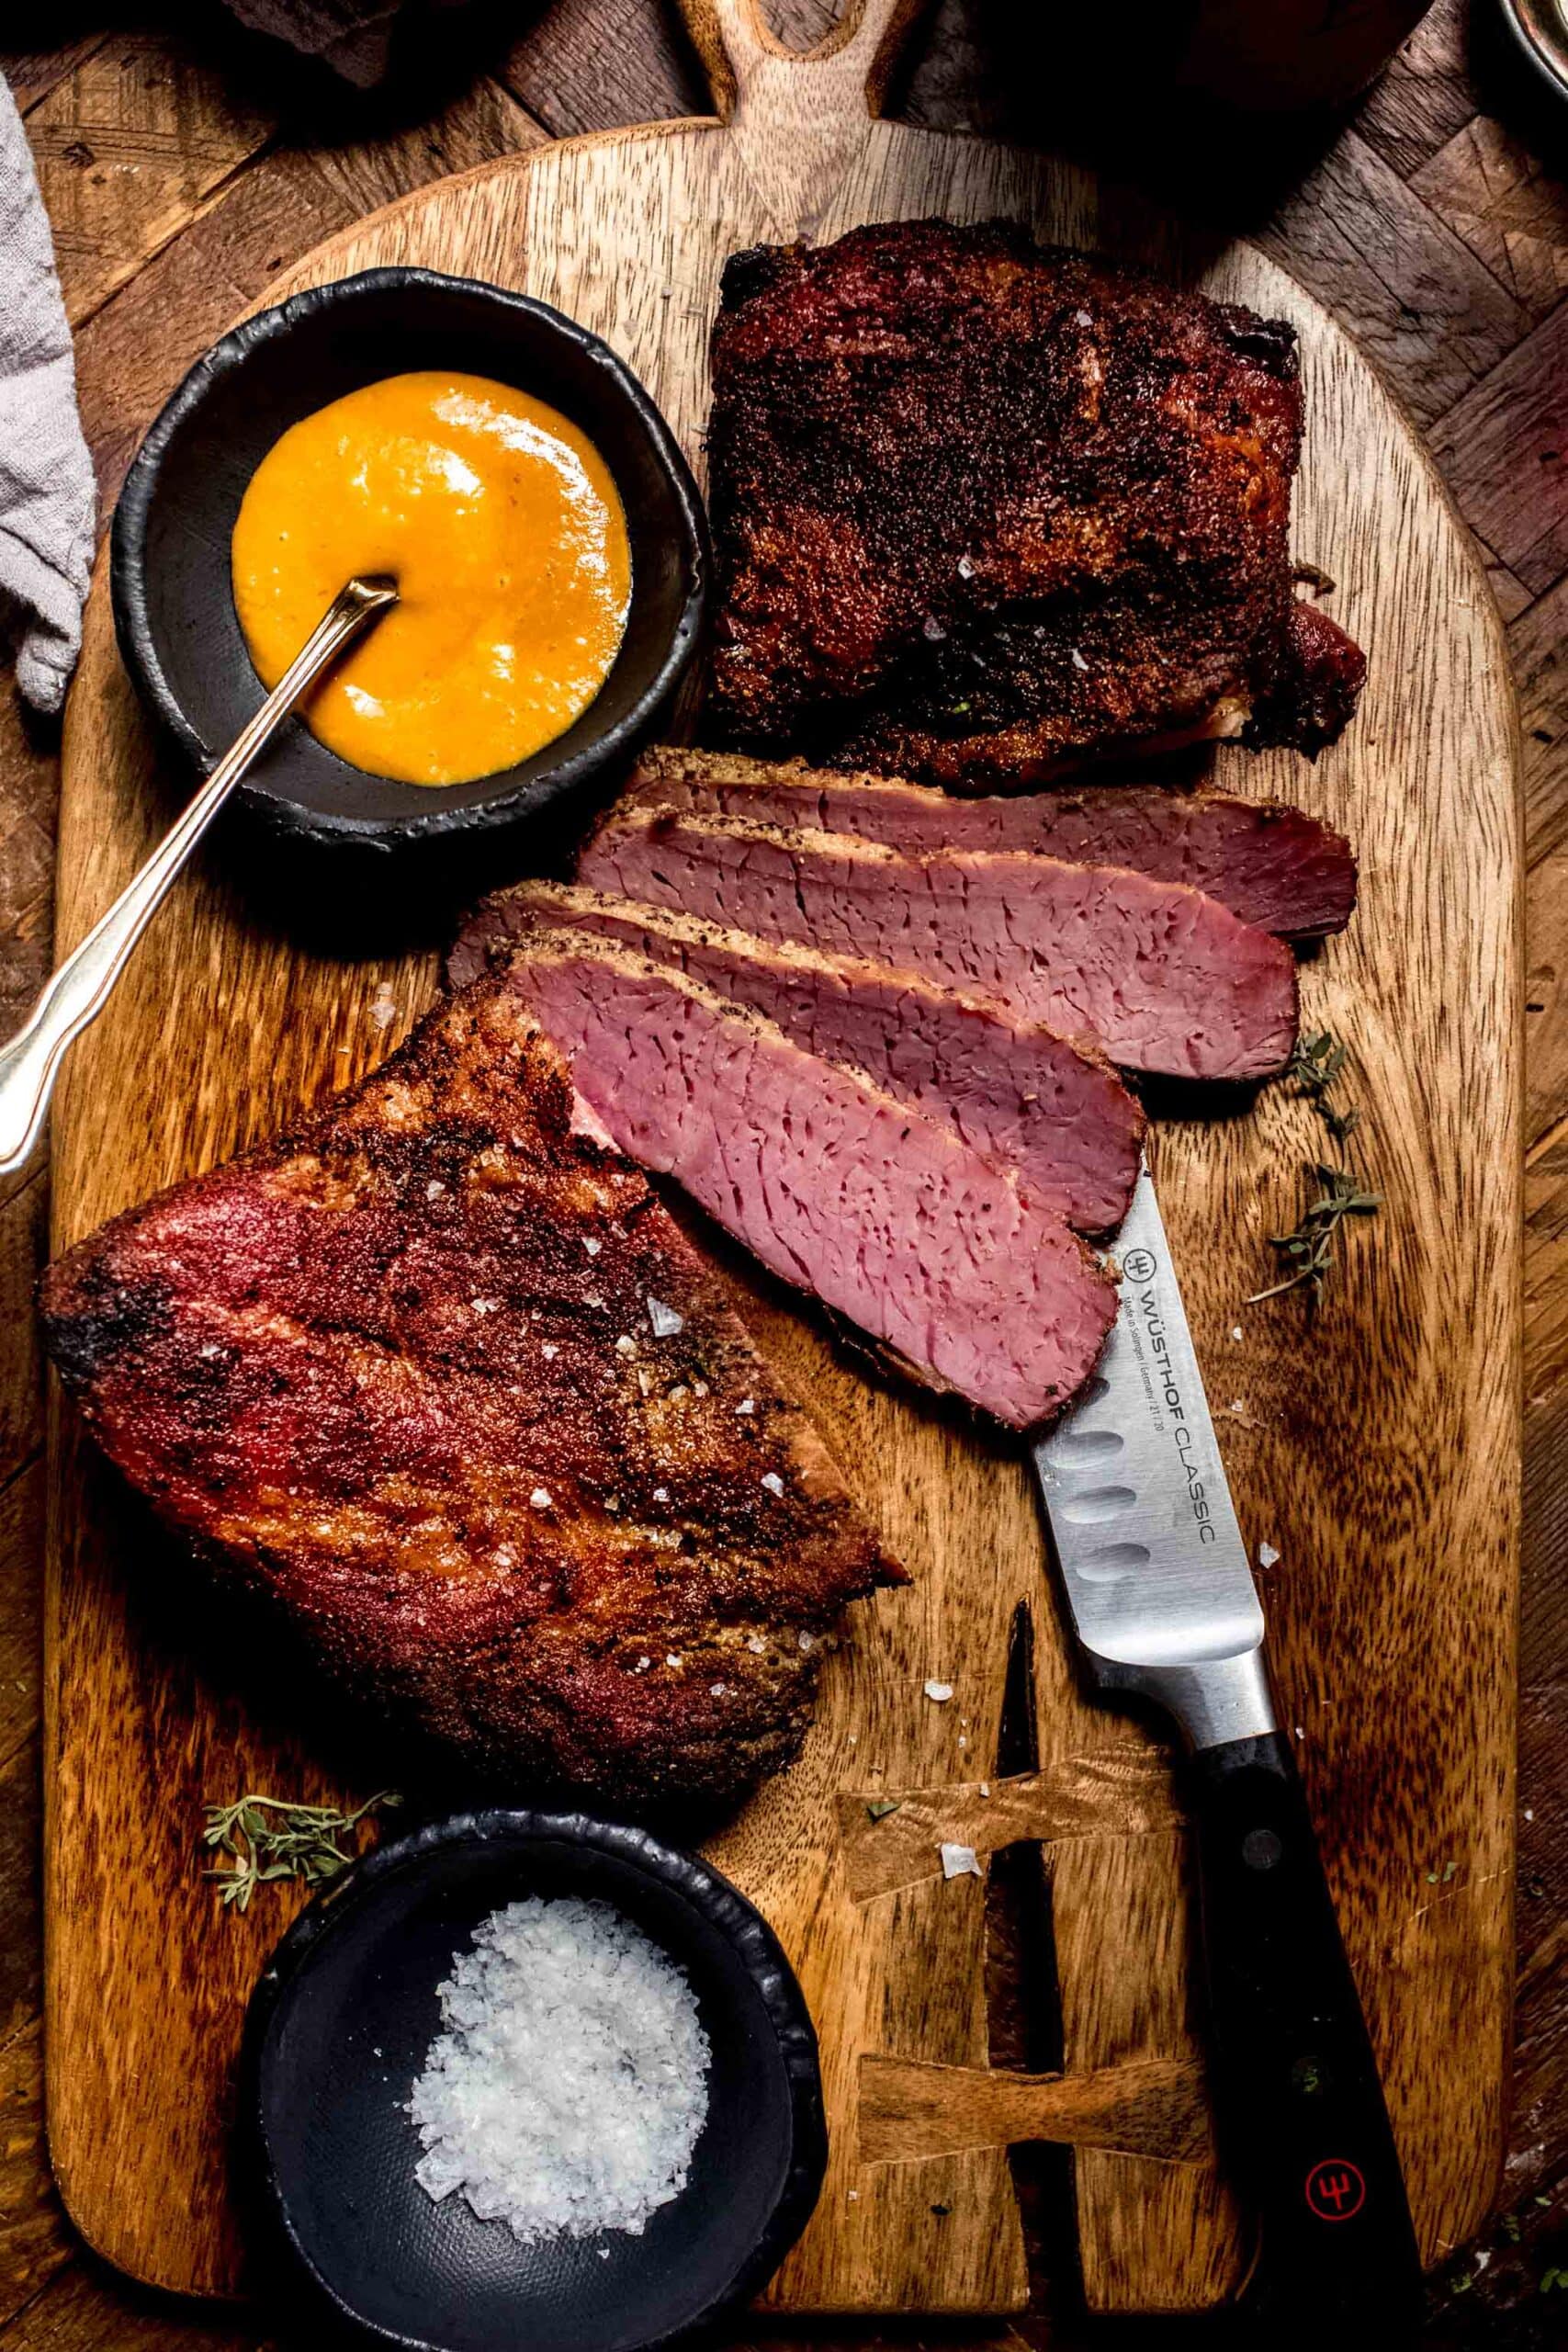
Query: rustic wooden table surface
{"points": [[184, 165]]}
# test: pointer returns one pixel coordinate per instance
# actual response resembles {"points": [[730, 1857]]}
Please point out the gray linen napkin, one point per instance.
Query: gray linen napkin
{"points": [[47, 499]]}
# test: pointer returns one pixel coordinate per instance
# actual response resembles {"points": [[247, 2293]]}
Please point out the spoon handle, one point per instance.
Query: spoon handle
{"points": [[78, 991]]}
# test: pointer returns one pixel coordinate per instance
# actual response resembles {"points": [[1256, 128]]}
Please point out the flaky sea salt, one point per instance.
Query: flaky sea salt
{"points": [[664, 1320], [566, 2089]]}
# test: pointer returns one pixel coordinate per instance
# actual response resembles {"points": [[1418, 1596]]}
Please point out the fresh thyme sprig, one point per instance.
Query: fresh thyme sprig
{"points": [[1316, 1065], [1309, 1250], [271, 1837]]}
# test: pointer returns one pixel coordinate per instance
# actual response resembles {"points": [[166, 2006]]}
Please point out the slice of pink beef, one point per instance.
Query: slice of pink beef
{"points": [[1058, 1115], [1161, 975], [891, 1221], [1269, 863]]}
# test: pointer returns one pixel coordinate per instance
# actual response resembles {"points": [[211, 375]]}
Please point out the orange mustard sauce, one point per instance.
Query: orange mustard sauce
{"points": [[504, 531]]}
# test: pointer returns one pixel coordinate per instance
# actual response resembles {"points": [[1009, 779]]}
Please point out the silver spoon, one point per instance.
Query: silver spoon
{"points": [[80, 988]]}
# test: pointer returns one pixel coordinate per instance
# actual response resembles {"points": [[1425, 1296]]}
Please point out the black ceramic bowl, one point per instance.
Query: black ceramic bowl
{"points": [[174, 606], [338, 2031]]}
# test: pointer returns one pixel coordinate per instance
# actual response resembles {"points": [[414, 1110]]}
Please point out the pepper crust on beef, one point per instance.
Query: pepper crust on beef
{"points": [[985, 509], [439, 1377]]}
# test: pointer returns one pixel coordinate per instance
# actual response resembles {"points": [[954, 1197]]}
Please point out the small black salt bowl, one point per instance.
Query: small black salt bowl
{"points": [[173, 606], [339, 2028]]}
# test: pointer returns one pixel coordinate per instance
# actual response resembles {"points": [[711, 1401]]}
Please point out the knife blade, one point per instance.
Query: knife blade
{"points": [[1159, 1587], [1156, 1573]]}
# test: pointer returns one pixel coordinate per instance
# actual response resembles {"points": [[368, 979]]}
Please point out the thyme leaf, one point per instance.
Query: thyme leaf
{"points": [[1317, 1064], [273, 1837]]}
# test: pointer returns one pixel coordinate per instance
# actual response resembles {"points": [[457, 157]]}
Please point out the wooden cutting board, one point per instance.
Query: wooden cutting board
{"points": [[1376, 1451]]}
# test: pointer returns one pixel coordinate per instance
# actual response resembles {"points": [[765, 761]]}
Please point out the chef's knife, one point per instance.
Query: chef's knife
{"points": [[1162, 1597]]}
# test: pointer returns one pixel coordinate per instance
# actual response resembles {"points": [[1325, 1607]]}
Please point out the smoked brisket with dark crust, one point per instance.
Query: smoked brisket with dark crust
{"points": [[439, 1377], [984, 510]]}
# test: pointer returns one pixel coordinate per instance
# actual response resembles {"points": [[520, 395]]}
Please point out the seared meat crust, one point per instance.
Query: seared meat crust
{"points": [[983, 509], [399, 1373]]}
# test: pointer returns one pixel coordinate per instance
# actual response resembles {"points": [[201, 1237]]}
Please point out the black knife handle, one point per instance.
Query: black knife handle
{"points": [[1299, 2108]]}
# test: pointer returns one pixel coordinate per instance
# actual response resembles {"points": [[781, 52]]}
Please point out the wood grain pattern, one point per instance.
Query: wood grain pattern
{"points": [[909, 2111], [125, 148], [1397, 1552], [132, 354], [34, 2240]]}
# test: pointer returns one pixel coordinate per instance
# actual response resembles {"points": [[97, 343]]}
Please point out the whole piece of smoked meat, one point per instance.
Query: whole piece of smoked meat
{"points": [[985, 510], [440, 1377]]}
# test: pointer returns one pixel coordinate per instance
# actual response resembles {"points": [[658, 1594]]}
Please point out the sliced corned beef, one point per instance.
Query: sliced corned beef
{"points": [[892, 1221], [1269, 863], [1163, 977], [1015, 1090]]}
